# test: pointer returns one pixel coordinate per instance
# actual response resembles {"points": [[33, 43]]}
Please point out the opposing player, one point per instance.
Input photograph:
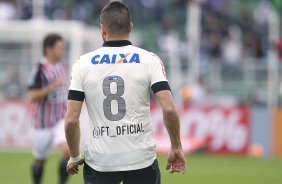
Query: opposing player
{"points": [[48, 92], [115, 83]]}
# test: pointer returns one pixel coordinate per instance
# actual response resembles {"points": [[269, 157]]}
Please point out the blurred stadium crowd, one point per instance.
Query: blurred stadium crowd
{"points": [[226, 25], [232, 31]]}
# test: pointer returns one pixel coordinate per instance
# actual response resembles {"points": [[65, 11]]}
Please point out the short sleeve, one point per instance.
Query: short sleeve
{"points": [[76, 83], [157, 73], [35, 81]]}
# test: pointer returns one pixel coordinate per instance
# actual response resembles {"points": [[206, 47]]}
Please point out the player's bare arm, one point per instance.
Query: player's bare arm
{"points": [[38, 95], [72, 131], [176, 160]]}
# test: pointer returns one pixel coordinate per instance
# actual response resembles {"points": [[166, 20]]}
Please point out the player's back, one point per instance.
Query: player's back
{"points": [[116, 82]]}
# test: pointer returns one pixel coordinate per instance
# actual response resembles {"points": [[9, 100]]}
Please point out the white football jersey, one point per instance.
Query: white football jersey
{"points": [[116, 81]]}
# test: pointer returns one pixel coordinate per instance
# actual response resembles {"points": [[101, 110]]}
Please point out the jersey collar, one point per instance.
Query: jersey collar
{"points": [[116, 43]]}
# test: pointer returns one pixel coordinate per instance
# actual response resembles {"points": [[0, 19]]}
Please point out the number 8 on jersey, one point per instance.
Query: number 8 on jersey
{"points": [[107, 103]]}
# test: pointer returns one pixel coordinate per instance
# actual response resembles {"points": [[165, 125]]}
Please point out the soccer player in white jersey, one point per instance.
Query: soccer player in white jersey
{"points": [[48, 92], [115, 82]]}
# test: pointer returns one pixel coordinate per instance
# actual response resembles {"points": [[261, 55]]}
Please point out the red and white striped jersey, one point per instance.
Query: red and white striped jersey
{"points": [[46, 114]]}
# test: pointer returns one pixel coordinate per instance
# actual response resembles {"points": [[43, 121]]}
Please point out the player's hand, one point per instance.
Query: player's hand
{"points": [[176, 161], [72, 168], [55, 85]]}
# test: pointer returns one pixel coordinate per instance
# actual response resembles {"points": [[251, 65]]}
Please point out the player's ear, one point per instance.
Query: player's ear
{"points": [[103, 29], [47, 51]]}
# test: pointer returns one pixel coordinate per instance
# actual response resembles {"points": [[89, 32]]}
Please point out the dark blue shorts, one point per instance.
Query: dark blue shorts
{"points": [[148, 175]]}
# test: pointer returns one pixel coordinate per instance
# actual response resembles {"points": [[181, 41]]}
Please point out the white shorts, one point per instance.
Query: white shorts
{"points": [[44, 139]]}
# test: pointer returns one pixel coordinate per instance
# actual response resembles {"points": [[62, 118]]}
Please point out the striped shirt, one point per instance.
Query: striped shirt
{"points": [[48, 113]]}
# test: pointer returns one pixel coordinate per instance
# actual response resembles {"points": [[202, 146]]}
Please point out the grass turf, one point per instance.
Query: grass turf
{"points": [[202, 169]]}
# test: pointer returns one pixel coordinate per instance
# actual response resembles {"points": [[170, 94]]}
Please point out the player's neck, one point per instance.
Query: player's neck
{"points": [[51, 60], [116, 38]]}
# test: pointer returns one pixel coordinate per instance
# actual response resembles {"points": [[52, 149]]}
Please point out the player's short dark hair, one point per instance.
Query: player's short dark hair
{"points": [[50, 40], [116, 17]]}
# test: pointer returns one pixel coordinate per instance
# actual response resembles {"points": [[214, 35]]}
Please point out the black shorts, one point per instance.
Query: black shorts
{"points": [[148, 175]]}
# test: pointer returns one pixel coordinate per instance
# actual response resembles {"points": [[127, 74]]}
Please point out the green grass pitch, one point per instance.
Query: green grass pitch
{"points": [[202, 169]]}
